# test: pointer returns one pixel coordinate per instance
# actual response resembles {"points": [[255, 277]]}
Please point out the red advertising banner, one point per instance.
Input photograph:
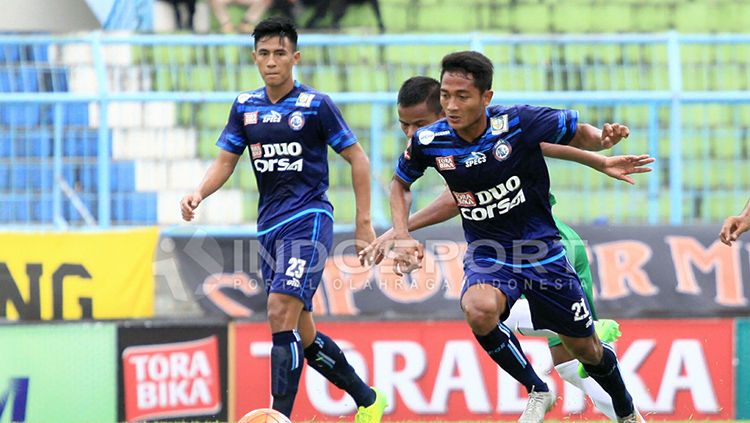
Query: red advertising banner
{"points": [[675, 369], [171, 380]]}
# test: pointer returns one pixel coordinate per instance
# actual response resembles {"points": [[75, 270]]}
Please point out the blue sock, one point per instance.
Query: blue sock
{"points": [[286, 368], [607, 374], [505, 350], [327, 358]]}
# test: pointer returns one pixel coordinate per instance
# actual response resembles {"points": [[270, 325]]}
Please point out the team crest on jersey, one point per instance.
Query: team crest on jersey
{"points": [[296, 121], [251, 118], [445, 163], [256, 151], [501, 150], [465, 199], [426, 137], [272, 117], [304, 100], [499, 125], [243, 98]]}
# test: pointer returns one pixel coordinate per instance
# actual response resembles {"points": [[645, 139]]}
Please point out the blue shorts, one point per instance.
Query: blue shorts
{"points": [[552, 287], [294, 255]]}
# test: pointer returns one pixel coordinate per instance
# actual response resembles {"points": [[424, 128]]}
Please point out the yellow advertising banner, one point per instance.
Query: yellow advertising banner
{"points": [[77, 275]]}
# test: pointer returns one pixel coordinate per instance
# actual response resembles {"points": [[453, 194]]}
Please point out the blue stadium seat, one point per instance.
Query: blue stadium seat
{"points": [[144, 208], [137, 208], [19, 79], [77, 114], [42, 209], [9, 53], [72, 215], [4, 177], [31, 176], [82, 142], [83, 176], [20, 115]]}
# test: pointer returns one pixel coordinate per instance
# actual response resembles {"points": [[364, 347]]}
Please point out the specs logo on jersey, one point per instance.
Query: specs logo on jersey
{"points": [[304, 100], [499, 124], [251, 118], [256, 151], [490, 203], [465, 199], [426, 137], [296, 121], [268, 157], [445, 163], [272, 117], [501, 150], [475, 159]]}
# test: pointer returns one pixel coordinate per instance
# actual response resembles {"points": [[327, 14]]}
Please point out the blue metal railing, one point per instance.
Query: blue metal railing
{"points": [[662, 54]]}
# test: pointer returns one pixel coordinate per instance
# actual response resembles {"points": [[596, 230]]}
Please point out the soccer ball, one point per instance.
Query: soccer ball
{"points": [[264, 415]]}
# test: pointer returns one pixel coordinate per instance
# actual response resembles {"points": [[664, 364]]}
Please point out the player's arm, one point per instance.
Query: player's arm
{"points": [[589, 137], [734, 226], [216, 175], [618, 167], [439, 210], [363, 234], [409, 251]]}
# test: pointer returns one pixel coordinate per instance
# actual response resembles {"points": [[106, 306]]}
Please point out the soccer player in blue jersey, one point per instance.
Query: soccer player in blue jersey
{"points": [[514, 245], [287, 127], [734, 226], [419, 106]]}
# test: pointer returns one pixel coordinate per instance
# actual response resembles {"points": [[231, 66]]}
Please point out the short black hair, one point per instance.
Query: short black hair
{"points": [[470, 63], [420, 89], [276, 26]]}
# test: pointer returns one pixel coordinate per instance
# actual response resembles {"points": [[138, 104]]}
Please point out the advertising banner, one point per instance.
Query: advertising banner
{"points": [[675, 369], [640, 271], [173, 371], [743, 368], [58, 373], [77, 275]]}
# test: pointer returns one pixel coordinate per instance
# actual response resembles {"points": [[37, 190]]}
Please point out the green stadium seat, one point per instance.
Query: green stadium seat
{"points": [[328, 79], [201, 78], [726, 143], [609, 17], [694, 17], [651, 17], [531, 18]]}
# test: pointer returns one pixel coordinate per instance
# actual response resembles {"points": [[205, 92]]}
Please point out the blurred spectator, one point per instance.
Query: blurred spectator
{"points": [[255, 11], [184, 10], [338, 8]]}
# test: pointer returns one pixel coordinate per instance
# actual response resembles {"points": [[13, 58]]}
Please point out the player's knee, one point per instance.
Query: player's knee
{"points": [[587, 350], [283, 312], [481, 316]]}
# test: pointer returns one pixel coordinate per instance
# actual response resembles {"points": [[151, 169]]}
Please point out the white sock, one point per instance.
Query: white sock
{"points": [[600, 398], [519, 321]]}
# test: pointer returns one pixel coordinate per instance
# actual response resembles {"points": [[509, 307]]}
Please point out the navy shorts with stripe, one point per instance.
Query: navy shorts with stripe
{"points": [[294, 255], [551, 286]]}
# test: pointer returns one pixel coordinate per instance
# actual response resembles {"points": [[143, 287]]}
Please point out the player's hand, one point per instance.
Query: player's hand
{"points": [[188, 204], [364, 235], [619, 167], [375, 252], [408, 254], [612, 133], [733, 227]]}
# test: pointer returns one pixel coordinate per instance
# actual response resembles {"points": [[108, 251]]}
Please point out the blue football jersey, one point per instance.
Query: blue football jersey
{"points": [[499, 180], [287, 143]]}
